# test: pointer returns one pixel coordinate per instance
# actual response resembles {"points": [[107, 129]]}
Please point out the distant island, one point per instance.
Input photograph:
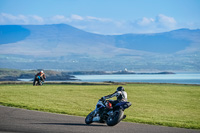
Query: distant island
{"points": [[112, 72], [16, 75]]}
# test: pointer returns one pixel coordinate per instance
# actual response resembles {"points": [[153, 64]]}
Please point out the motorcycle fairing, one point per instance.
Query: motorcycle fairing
{"points": [[124, 105]]}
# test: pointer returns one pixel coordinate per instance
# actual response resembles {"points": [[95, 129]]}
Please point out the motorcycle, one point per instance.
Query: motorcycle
{"points": [[37, 81], [106, 113]]}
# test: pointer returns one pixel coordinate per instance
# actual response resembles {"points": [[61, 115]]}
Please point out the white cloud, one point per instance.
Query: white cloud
{"points": [[166, 21], [58, 19], [98, 19], [20, 19], [36, 19], [159, 23], [11, 19], [76, 17], [145, 21]]}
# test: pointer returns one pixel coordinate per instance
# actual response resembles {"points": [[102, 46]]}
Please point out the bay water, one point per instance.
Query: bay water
{"points": [[193, 78]]}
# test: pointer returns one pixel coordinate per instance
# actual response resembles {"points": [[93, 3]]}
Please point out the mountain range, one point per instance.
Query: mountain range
{"points": [[62, 46]]}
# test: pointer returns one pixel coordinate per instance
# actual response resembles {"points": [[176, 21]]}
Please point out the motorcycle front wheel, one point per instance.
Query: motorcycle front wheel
{"points": [[115, 118], [35, 83], [88, 119]]}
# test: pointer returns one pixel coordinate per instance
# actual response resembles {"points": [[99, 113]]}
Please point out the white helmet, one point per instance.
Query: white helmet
{"points": [[42, 71]]}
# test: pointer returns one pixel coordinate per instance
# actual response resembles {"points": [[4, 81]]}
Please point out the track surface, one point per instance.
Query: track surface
{"points": [[21, 120]]}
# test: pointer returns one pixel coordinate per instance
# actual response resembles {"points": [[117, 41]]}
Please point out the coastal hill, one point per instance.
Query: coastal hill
{"points": [[61, 46]]}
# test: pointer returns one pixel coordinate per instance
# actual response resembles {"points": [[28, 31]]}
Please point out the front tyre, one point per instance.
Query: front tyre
{"points": [[115, 118], [88, 119], [34, 83]]}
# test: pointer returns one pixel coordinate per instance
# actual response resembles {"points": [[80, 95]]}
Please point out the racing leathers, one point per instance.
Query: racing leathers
{"points": [[121, 97], [41, 76]]}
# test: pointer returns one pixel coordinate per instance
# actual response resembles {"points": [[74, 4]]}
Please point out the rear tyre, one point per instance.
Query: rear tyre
{"points": [[115, 118], [40, 83], [88, 119]]}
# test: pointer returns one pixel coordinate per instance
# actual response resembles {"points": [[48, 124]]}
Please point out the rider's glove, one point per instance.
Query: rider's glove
{"points": [[101, 99]]}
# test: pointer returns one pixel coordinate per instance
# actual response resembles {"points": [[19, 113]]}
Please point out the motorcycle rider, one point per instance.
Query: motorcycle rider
{"points": [[121, 97], [119, 93], [42, 76], [107, 112]]}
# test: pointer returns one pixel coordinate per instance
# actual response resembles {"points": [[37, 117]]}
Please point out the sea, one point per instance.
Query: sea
{"points": [[180, 78]]}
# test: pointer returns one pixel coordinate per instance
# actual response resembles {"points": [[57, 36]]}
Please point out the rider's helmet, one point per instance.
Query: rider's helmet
{"points": [[41, 71], [120, 88]]}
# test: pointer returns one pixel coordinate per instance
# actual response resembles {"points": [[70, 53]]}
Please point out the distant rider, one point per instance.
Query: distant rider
{"points": [[41, 76]]}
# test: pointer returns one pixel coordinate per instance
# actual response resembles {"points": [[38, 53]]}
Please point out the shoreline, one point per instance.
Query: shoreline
{"points": [[88, 83]]}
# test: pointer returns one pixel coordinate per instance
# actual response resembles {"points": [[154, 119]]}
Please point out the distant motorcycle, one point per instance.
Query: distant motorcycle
{"points": [[106, 113], [37, 81]]}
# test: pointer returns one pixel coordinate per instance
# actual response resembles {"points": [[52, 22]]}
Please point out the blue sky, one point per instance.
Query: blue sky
{"points": [[105, 16]]}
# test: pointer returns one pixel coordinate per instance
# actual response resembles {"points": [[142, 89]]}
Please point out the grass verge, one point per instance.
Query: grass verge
{"points": [[157, 104]]}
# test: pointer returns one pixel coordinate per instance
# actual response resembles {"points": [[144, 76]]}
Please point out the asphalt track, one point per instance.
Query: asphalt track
{"points": [[26, 121]]}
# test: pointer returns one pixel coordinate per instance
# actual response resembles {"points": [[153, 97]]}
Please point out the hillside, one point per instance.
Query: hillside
{"points": [[15, 75], [61, 46], [158, 43]]}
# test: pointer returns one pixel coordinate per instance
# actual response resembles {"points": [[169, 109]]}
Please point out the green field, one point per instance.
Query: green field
{"points": [[157, 104]]}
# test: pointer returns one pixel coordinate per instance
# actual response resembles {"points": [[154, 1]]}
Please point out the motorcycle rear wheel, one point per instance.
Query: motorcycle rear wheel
{"points": [[115, 118]]}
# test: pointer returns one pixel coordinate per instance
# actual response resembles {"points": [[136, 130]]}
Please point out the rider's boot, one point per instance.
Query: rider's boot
{"points": [[124, 117]]}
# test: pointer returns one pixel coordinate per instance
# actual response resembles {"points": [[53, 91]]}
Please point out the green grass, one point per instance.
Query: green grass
{"points": [[157, 104]]}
